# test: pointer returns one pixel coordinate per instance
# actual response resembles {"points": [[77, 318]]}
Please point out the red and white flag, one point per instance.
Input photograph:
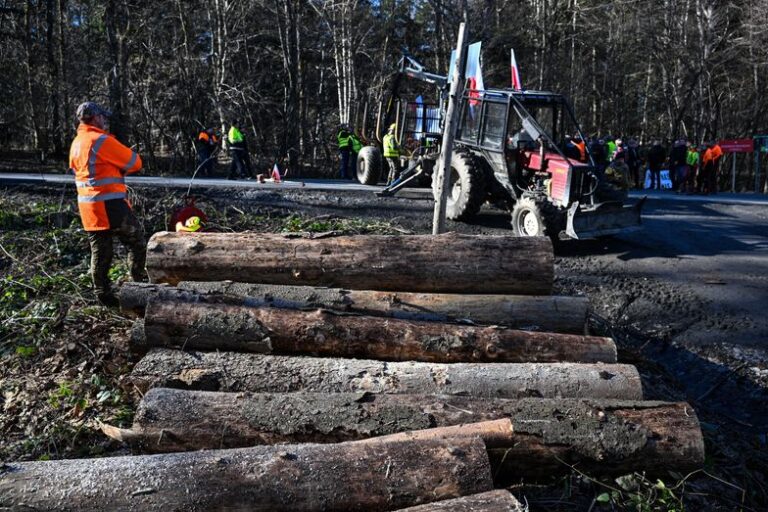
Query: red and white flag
{"points": [[516, 84]]}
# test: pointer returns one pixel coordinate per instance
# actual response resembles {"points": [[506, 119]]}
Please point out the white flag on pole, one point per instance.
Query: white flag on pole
{"points": [[516, 84]]}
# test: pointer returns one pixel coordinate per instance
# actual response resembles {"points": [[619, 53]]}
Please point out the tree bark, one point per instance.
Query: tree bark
{"points": [[491, 501], [528, 312], [449, 263], [197, 326], [599, 435], [230, 371], [349, 476], [496, 433]]}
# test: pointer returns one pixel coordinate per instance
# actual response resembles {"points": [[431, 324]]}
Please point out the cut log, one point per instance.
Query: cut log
{"points": [[449, 263], [230, 371], [528, 312], [491, 501], [199, 326], [600, 436], [341, 477]]}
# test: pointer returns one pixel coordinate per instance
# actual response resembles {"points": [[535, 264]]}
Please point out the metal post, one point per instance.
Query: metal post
{"points": [[446, 150], [733, 173], [758, 149]]}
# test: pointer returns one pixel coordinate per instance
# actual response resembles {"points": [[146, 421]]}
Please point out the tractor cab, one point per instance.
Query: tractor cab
{"points": [[525, 136]]}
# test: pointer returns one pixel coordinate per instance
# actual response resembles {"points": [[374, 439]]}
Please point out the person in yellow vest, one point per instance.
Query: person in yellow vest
{"points": [[238, 149], [392, 154], [100, 163], [692, 161]]}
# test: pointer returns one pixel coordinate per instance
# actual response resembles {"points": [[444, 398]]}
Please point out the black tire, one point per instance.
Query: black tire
{"points": [[467, 192], [368, 165], [528, 219]]}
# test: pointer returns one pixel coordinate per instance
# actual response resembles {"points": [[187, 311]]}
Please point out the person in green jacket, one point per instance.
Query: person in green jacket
{"points": [[610, 149], [238, 150], [392, 154]]}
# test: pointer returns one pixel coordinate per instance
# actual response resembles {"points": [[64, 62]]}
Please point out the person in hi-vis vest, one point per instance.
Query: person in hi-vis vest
{"points": [[100, 163], [392, 154]]}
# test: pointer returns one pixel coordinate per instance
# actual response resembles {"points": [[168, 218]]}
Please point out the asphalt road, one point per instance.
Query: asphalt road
{"points": [[327, 185]]}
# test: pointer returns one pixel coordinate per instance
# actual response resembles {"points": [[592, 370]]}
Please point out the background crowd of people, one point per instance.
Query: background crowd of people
{"points": [[625, 164]]}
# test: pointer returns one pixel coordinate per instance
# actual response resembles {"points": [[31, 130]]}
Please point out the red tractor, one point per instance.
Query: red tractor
{"points": [[509, 150]]}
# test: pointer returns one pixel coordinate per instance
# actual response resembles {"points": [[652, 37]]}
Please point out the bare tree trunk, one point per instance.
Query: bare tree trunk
{"points": [[53, 10], [66, 103], [38, 138], [288, 29], [117, 21]]}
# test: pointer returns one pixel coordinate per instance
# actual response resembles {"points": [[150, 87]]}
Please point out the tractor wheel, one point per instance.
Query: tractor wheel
{"points": [[369, 165], [528, 218], [467, 190]]}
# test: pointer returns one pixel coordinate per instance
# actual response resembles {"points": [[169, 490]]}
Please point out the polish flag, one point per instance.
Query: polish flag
{"points": [[474, 73], [276, 173], [516, 85]]}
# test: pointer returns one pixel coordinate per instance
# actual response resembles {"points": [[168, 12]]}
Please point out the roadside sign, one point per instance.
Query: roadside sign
{"points": [[737, 145]]}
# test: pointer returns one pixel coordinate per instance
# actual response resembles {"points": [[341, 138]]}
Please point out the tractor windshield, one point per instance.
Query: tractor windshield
{"points": [[548, 115]]}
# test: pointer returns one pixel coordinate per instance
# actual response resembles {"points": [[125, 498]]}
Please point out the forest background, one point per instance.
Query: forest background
{"points": [[289, 71]]}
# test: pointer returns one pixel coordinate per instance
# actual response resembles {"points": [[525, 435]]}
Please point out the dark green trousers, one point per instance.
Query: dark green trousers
{"points": [[131, 235]]}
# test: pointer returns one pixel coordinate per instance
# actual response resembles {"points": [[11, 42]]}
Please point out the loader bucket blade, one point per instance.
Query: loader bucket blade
{"points": [[605, 219]]}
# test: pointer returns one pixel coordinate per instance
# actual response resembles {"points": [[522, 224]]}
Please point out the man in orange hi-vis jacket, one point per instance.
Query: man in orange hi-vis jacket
{"points": [[100, 164]]}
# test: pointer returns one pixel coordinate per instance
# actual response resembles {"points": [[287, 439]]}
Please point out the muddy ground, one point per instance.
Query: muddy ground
{"points": [[685, 299]]}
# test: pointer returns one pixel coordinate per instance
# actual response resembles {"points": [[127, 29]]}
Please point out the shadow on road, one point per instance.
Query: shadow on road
{"points": [[678, 231]]}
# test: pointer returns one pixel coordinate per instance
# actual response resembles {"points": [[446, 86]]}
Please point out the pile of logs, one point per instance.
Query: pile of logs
{"points": [[360, 373]]}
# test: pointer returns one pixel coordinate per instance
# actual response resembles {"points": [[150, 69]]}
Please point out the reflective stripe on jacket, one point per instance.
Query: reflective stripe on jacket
{"points": [[100, 164], [390, 146]]}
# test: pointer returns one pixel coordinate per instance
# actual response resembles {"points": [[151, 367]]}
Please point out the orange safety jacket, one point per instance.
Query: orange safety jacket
{"points": [[204, 138], [712, 154], [100, 164]]}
